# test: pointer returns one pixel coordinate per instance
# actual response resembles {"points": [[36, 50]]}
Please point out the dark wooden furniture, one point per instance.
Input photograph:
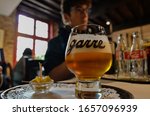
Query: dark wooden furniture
{"points": [[32, 69]]}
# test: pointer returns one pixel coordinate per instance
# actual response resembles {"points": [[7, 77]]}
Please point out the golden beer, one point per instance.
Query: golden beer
{"points": [[89, 65]]}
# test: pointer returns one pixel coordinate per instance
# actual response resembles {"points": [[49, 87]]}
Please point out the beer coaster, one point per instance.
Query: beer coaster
{"points": [[61, 91]]}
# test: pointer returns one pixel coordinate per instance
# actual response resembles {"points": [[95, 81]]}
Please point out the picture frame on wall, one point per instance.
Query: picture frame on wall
{"points": [[1, 38]]}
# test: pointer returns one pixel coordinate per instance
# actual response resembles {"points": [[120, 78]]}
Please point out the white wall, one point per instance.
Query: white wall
{"points": [[8, 6]]}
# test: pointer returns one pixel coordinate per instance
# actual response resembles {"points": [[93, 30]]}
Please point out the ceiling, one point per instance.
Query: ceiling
{"points": [[122, 13], [8, 6]]}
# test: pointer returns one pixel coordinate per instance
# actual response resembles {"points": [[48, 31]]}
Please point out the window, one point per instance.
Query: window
{"points": [[32, 33], [38, 50], [41, 29], [26, 25], [22, 43]]}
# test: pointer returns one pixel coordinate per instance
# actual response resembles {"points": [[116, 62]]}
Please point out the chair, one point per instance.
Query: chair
{"points": [[32, 69], [7, 69], [2, 59]]}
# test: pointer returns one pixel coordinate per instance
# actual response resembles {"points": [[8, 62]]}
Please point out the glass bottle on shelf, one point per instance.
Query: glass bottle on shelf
{"points": [[120, 62], [127, 55], [146, 46], [137, 58]]}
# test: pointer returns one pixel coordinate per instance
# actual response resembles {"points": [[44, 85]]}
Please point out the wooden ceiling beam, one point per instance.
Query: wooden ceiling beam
{"points": [[114, 16], [124, 12], [136, 8], [146, 5], [51, 3], [30, 12], [98, 21], [40, 5], [35, 8]]}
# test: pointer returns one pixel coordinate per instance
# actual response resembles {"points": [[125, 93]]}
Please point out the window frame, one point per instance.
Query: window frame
{"points": [[34, 37]]}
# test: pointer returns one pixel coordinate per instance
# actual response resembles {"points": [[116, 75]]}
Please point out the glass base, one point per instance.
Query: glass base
{"points": [[88, 89]]}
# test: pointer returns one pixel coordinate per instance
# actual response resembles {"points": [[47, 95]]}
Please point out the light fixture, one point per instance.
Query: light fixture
{"points": [[107, 22]]}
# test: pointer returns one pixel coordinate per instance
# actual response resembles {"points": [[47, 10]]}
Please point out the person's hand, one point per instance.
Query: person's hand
{"points": [[61, 73]]}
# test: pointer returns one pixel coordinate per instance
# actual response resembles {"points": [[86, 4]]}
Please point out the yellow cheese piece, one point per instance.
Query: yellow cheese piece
{"points": [[38, 79]]}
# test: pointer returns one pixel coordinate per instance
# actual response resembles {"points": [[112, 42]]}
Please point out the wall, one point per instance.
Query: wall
{"points": [[144, 30], [8, 24]]}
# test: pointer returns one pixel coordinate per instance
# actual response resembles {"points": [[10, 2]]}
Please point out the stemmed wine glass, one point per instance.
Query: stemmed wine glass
{"points": [[88, 55]]}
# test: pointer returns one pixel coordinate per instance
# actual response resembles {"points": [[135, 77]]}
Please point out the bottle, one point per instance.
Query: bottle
{"points": [[120, 63], [137, 58], [147, 52], [127, 56]]}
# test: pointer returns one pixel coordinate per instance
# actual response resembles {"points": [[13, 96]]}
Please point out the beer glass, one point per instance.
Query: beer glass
{"points": [[88, 55]]}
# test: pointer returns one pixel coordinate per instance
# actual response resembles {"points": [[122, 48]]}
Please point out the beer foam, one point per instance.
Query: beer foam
{"points": [[81, 39], [89, 36]]}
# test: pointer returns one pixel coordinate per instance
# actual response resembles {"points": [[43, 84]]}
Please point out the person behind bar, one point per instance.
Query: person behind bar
{"points": [[74, 12]]}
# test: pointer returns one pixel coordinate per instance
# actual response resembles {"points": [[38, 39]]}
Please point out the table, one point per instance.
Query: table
{"points": [[139, 91]]}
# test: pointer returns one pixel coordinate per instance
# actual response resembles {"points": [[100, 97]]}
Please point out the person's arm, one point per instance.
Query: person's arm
{"points": [[60, 73], [54, 63]]}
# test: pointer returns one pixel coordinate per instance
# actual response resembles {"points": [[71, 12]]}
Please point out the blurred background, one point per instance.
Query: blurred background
{"points": [[32, 23]]}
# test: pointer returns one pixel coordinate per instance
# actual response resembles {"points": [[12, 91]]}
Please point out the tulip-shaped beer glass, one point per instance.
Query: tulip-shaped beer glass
{"points": [[88, 55]]}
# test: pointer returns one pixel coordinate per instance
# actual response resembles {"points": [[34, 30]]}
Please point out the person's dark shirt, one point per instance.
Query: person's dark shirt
{"points": [[55, 54]]}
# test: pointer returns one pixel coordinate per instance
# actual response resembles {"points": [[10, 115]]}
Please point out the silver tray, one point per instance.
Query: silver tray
{"points": [[61, 91]]}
